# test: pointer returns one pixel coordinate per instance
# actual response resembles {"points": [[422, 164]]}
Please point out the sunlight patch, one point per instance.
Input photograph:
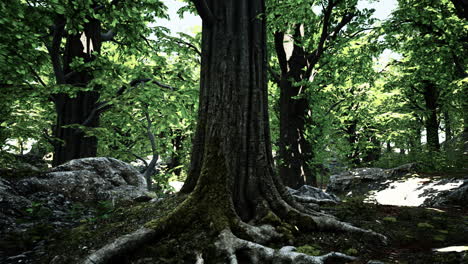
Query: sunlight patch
{"points": [[452, 249], [410, 192]]}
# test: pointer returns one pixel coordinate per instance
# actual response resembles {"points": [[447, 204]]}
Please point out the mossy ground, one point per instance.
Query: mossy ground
{"points": [[413, 234]]}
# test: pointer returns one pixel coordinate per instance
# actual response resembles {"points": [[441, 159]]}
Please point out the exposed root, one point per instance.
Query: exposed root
{"points": [[306, 199], [120, 246], [332, 224], [242, 251], [259, 234], [328, 223]]}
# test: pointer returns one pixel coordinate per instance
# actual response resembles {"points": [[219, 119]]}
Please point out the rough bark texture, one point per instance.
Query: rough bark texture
{"points": [[73, 143], [233, 117]]}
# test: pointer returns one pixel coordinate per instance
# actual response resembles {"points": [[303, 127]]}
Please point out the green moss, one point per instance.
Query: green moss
{"points": [[351, 252], [389, 219], [425, 225], [271, 219], [313, 250]]}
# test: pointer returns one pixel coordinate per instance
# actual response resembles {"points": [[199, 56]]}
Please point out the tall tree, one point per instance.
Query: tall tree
{"points": [[301, 40], [71, 35], [232, 183]]}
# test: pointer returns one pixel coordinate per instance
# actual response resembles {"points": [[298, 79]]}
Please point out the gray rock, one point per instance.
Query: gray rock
{"points": [[362, 179], [89, 179], [457, 196], [11, 203]]}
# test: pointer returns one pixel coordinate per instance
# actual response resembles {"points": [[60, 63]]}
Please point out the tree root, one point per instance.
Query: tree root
{"points": [[259, 234], [332, 224], [305, 199], [120, 246], [242, 251]]}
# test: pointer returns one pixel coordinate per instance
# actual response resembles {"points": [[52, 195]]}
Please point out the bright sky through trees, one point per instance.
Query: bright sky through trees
{"points": [[191, 22]]}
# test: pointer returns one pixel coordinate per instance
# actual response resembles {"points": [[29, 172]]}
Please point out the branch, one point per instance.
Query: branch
{"points": [[314, 57], [54, 50], [105, 106], [204, 11], [108, 36], [149, 171], [190, 45], [280, 52]]}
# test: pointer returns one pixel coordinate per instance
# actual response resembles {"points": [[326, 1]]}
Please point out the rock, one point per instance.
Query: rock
{"points": [[89, 180], [32, 200], [457, 196], [11, 203], [361, 179], [307, 191]]}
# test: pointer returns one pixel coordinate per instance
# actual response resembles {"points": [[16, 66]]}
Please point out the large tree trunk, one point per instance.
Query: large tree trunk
{"points": [[232, 140], [77, 110], [432, 125], [232, 183]]}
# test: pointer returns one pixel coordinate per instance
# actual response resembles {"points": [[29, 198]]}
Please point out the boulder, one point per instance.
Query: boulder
{"points": [[11, 204], [89, 180], [32, 200], [456, 196], [364, 179]]}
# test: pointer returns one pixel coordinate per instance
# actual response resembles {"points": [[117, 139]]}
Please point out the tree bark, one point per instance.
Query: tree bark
{"points": [[233, 134], [72, 142], [295, 150], [431, 96], [352, 137]]}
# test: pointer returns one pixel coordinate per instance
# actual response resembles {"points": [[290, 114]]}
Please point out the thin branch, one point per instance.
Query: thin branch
{"points": [[190, 45], [109, 35], [105, 106]]}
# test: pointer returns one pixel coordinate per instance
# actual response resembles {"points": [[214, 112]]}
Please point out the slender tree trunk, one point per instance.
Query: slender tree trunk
{"points": [[176, 161], [372, 153], [352, 138], [295, 151], [389, 147], [448, 126], [75, 110], [431, 123]]}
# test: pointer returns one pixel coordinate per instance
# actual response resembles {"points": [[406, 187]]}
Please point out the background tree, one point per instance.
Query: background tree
{"points": [[302, 37]]}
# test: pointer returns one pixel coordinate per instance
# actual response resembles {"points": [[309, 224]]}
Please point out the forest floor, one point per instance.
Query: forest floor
{"points": [[413, 232]]}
